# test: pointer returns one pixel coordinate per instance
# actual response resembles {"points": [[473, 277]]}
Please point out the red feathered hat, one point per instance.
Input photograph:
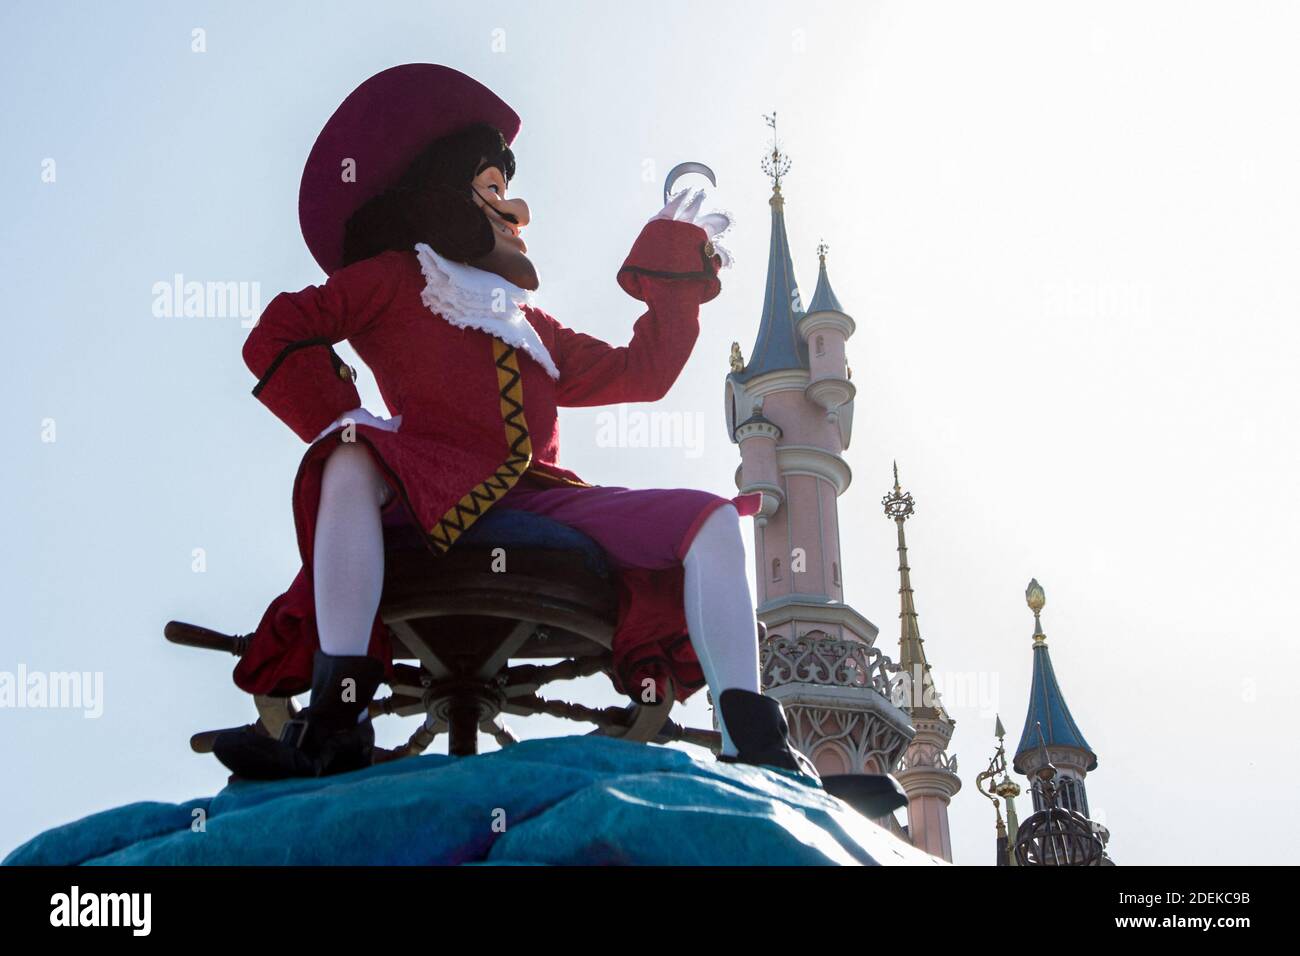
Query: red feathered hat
{"points": [[383, 125]]}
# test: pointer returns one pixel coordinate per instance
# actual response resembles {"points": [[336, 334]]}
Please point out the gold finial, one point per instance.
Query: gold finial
{"points": [[898, 506], [1006, 787], [737, 360], [822, 249], [1036, 597], [776, 163], [988, 785]]}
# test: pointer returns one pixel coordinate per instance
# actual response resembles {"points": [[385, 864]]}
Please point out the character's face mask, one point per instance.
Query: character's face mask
{"points": [[509, 256]]}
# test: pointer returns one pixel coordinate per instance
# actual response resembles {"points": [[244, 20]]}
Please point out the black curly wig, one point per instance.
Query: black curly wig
{"points": [[432, 201]]}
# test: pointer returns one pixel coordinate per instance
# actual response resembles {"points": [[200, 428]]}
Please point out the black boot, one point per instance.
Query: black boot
{"points": [[758, 728], [326, 738]]}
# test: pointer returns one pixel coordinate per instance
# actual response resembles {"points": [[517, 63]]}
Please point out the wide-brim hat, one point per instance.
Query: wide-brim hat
{"points": [[382, 126]]}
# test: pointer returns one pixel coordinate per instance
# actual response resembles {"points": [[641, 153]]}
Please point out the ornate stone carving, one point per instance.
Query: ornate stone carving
{"points": [[815, 658], [857, 731], [928, 756], [868, 741]]}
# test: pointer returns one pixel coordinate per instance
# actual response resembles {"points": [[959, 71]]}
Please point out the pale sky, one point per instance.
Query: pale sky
{"points": [[1067, 233]]}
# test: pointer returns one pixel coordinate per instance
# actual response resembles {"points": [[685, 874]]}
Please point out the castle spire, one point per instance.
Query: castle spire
{"points": [[778, 345], [1056, 759], [1047, 706], [923, 700], [927, 771], [824, 299]]}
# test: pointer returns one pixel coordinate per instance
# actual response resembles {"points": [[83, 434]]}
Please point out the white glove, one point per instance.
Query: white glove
{"points": [[359, 416], [714, 224]]}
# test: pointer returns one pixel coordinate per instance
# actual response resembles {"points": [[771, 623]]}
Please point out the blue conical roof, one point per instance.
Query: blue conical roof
{"points": [[779, 345], [1047, 707], [824, 299]]}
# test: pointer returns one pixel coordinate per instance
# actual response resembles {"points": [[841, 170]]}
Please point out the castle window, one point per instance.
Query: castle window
{"points": [[835, 573], [1068, 799], [821, 345], [776, 569], [1073, 796]]}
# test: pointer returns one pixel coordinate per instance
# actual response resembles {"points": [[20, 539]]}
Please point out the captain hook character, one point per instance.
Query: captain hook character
{"points": [[429, 280]]}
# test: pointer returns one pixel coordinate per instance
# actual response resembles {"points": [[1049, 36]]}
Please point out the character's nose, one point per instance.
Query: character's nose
{"points": [[516, 208]]}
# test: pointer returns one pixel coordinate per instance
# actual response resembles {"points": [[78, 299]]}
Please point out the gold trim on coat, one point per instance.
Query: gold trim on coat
{"points": [[481, 497]]}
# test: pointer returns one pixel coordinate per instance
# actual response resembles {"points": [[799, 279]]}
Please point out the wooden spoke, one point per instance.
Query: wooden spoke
{"points": [[602, 717], [500, 656], [527, 678], [422, 738], [708, 739], [417, 645], [403, 705], [644, 721], [191, 635], [499, 732]]}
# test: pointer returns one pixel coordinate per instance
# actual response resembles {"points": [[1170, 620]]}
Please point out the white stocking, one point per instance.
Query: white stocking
{"points": [[719, 611], [348, 556]]}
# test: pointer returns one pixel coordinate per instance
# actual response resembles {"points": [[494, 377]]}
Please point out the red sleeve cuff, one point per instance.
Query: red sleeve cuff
{"points": [[671, 251], [308, 388]]}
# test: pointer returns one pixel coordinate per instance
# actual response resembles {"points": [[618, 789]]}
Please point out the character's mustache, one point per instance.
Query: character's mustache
{"points": [[508, 217]]}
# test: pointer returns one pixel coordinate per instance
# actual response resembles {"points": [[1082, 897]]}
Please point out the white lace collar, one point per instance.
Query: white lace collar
{"points": [[475, 299]]}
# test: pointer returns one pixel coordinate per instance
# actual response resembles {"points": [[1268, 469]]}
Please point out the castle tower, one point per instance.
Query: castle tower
{"points": [[790, 409], [1061, 740], [927, 772]]}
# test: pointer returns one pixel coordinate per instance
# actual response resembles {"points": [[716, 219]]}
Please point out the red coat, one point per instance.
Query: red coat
{"points": [[476, 414]]}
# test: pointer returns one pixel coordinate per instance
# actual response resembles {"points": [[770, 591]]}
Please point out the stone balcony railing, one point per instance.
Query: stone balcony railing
{"points": [[928, 757], [826, 661]]}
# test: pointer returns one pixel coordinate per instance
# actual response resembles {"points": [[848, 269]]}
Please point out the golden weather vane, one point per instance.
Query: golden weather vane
{"points": [[775, 163], [898, 505]]}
